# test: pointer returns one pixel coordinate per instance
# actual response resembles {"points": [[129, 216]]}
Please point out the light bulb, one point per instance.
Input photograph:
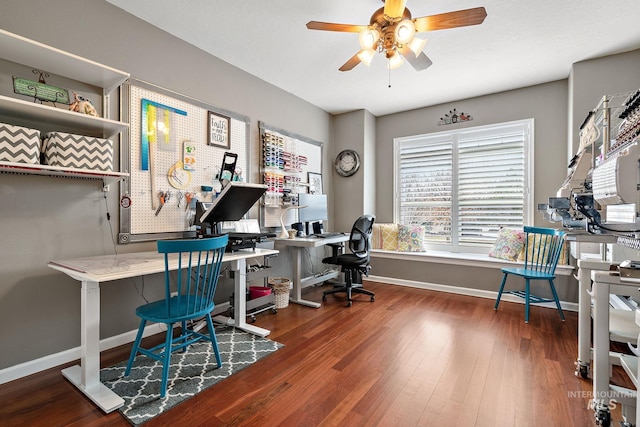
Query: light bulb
{"points": [[395, 61], [368, 38], [366, 55], [405, 31], [417, 45]]}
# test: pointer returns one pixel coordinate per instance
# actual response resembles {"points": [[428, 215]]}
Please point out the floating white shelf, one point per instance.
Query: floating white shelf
{"points": [[23, 168], [51, 118], [31, 53]]}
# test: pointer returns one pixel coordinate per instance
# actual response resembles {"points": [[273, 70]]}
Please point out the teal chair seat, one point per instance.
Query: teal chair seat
{"points": [[177, 310], [196, 279], [543, 247]]}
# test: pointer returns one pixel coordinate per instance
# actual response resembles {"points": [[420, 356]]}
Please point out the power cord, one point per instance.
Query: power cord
{"points": [[108, 215]]}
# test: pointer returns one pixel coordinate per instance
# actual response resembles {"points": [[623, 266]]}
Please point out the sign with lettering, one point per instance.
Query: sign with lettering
{"points": [[40, 91], [219, 130]]}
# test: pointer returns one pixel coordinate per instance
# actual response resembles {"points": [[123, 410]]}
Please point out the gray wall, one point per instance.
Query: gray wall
{"points": [[546, 103], [46, 218], [590, 80], [555, 106], [54, 218]]}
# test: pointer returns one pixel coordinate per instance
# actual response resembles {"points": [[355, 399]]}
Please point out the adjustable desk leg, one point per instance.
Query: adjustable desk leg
{"points": [[584, 322], [297, 280], [240, 302], [86, 376], [601, 348]]}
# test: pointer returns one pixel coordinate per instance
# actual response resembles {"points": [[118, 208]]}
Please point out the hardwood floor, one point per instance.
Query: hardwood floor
{"points": [[411, 358]]}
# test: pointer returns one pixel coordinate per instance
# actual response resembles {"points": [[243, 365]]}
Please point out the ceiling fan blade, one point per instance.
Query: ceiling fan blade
{"points": [[419, 63], [328, 26], [394, 9], [352, 62], [443, 21]]}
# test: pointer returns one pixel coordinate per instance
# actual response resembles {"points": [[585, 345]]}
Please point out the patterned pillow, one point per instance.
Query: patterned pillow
{"points": [[385, 236], [410, 238], [562, 260], [508, 245]]}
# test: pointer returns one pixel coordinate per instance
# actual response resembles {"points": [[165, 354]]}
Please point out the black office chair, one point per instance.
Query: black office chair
{"points": [[356, 263]]}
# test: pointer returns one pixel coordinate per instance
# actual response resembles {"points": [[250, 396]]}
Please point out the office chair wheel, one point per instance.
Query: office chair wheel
{"points": [[253, 319], [582, 371], [373, 298], [603, 417], [324, 297], [274, 310], [349, 303]]}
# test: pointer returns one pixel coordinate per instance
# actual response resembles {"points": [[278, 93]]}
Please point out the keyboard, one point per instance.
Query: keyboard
{"points": [[328, 234]]}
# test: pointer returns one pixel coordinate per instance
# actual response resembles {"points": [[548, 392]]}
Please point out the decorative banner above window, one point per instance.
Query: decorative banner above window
{"points": [[454, 117]]}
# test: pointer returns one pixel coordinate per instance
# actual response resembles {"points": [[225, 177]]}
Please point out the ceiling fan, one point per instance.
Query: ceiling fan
{"points": [[391, 31]]}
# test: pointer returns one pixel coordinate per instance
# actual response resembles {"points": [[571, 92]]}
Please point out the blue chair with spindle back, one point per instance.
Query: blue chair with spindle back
{"points": [[543, 247], [199, 262]]}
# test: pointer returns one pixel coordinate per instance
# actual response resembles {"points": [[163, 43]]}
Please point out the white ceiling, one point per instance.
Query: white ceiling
{"points": [[520, 43]]}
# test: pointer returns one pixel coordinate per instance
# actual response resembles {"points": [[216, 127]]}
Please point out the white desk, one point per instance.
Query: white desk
{"points": [[625, 329], [585, 267], [92, 271], [298, 245]]}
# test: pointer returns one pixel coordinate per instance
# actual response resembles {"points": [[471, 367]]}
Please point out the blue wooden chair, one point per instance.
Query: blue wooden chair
{"points": [[198, 270], [543, 247]]}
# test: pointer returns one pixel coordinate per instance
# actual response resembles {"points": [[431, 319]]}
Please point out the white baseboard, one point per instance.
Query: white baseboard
{"points": [[569, 306], [51, 361], [47, 362], [34, 366]]}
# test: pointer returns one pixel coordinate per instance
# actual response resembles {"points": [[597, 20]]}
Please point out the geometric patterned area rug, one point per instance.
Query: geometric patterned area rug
{"points": [[190, 373]]}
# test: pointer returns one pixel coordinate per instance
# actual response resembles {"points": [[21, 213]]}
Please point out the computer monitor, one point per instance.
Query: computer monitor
{"points": [[233, 202], [316, 208]]}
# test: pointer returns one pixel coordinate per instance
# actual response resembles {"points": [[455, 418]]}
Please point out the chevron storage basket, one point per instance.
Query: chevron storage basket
{"points": [[19, 144], [77, 151]]}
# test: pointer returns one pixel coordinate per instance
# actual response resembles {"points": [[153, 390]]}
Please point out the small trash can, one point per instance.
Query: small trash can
{"points": [[281, 287]]}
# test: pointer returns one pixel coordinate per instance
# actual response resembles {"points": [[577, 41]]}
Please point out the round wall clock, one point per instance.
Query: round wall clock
{"points": [[347, 162]]}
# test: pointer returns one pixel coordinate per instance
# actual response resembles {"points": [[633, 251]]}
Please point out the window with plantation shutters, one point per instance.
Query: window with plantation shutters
{"points": [[465, 184]]}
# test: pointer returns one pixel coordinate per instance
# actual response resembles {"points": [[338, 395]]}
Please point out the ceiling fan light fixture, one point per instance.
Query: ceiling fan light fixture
{"points": [[368, 38], [405, 31], [417, 45], [366, 55], [395, 61]]}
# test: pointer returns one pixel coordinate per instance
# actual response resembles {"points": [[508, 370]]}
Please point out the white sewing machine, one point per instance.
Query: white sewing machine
{"points": [[601, 192]]}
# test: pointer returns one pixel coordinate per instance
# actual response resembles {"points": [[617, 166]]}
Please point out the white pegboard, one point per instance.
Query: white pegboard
{"points": [[175, 216]]}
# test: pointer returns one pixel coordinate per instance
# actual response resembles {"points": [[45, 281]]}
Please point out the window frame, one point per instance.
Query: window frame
{"points": [[455, 134]]}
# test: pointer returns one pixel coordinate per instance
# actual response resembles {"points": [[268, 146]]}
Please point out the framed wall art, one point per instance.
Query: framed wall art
{"points": [[219, 129], [315, 183]]}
